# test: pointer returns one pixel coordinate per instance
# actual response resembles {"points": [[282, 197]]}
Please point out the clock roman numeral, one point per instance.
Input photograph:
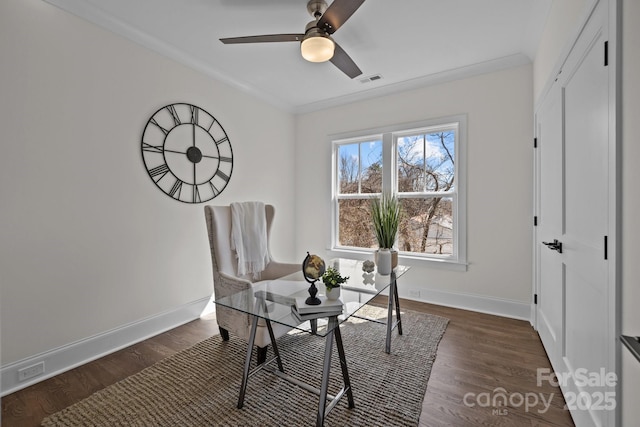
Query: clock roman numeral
{"points": [[222, 175], [194, 114], [214, 189], [225, 139], [225, 159], [176, 189], [174, 114], [153, 120], [161, 170], [151, 148], [196, 194]]}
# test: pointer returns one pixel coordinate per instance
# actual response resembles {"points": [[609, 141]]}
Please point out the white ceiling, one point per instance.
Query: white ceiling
{"points": [[407, 42]]}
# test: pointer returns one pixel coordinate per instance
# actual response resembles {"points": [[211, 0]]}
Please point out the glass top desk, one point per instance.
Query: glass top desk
{"points": [[274, 301]]}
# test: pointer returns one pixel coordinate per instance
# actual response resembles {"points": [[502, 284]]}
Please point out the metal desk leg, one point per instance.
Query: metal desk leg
{"points": [[343, 365], [390, 304], [274, 345], [247, 361], [395, 288], [394, 301], [328, 347]]}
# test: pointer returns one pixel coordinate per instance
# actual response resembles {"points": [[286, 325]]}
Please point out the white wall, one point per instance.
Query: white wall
{"points": [[87, 242], [500, 147], [563, 21]]}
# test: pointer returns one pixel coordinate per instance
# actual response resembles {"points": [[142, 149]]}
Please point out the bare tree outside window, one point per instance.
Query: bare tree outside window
{"points": [[426, 168], [359, 173], [423, 177], [348, 174]]}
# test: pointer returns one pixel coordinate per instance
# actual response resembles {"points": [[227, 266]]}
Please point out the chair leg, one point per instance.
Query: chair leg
{"points": [[261, 356], [224, 333]]}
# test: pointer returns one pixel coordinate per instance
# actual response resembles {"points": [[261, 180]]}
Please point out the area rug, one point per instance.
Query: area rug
{"points": [[199, 386]]}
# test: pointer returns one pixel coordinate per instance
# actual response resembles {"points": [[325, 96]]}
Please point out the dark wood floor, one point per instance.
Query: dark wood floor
{"points": [[480, 359]]}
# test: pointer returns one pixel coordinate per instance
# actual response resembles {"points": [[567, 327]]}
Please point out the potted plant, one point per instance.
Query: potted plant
{"points": [[385, 215], [332, 279]]}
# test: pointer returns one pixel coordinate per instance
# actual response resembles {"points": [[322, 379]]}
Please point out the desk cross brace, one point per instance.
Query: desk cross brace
{"points": [[393, 301], [323, 408]]}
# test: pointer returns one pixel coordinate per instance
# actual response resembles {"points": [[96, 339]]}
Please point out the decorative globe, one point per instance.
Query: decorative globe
{"points": [[313, 268]]}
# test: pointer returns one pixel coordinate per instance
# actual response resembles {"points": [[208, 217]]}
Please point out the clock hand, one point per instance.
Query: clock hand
{"points": [[174, 151], [220, 158]]}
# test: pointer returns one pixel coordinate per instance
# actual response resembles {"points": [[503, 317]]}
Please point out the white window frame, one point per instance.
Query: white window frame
{"points": [[389, 135]]}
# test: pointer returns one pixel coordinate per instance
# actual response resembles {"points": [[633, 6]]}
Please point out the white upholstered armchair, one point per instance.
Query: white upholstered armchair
{"points": [[226, 280]]}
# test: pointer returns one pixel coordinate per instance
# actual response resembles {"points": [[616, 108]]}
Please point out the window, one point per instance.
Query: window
{"points": [[422, 165]]}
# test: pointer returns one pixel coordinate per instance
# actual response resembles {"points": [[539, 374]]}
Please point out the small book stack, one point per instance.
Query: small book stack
{"points": [[326, 308]]}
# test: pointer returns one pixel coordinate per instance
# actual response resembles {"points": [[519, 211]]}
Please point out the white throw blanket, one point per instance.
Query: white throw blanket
{"points": [[249, 237]]}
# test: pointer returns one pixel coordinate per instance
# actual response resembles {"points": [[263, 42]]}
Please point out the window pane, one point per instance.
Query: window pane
{"points": [[427, 225], [426, 162], [371, 155], [355, 224], [360, 167], [411, 177], [348, 165]]}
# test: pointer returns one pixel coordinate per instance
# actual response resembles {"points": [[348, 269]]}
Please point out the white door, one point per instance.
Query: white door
{"points": [[574, 318], [550, 294]]}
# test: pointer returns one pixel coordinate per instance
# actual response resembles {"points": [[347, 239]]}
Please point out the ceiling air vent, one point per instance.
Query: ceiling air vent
{"points": [[372, 78]]}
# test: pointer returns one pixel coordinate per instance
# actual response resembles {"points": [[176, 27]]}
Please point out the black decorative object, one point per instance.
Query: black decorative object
{"points": [[313, 300], [313, 268], [187, 153]]}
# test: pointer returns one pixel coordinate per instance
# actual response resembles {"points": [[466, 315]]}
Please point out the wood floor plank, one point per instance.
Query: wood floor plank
{"points": [[479, 353]]}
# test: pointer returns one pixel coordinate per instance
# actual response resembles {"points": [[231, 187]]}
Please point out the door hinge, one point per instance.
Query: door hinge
{"points": [[535, 142], [558, 75], [606, 249], [535, 299], [606, 53], [535, 221]]}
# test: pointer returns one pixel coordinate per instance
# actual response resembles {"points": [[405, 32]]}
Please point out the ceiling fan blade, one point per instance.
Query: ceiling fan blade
{"points": [[344, 62], [269, 38], [337, 14]]}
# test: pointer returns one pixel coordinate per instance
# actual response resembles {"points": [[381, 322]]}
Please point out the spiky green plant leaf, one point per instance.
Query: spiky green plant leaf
{"points": [[385, 214]]}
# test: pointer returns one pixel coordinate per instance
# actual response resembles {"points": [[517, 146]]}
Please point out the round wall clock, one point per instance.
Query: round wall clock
{"points": [[187, 153]]}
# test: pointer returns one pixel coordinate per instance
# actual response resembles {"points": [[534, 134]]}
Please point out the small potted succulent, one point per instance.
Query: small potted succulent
{"points": [[332, 279]]}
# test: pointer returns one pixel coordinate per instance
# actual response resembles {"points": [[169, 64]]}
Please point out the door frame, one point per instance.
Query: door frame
{"points": [[614, 187]]}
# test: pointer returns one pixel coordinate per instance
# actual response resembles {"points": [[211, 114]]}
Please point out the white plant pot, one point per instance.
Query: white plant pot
{"points": [[333, 294], [384, 262]]}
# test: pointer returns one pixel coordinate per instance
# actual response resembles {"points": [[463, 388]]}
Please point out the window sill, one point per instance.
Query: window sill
{"points": [[412, 261]]}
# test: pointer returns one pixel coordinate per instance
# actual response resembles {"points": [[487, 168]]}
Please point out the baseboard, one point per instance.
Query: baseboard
{"points": [[67, 357], [482, 304]]}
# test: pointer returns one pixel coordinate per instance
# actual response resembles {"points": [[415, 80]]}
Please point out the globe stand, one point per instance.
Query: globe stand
{"points": [[313, 300], [312, 278]]}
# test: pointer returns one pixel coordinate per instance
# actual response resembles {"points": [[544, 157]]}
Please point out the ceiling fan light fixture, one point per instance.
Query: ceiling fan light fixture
{"points": [[317, 48], [316, 44]]}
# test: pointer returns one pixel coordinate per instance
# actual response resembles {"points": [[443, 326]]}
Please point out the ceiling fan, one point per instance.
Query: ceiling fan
{"points": [[316, 44]]}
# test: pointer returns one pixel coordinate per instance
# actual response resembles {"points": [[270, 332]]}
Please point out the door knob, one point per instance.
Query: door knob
{"points": [[554, 246]]}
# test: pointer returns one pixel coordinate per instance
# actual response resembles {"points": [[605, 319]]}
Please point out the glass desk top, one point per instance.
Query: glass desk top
{"points": [[275, 299]]}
